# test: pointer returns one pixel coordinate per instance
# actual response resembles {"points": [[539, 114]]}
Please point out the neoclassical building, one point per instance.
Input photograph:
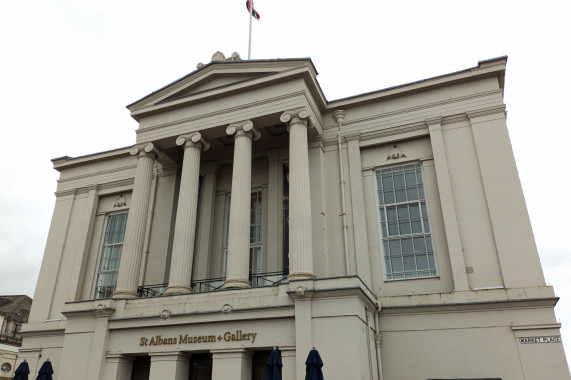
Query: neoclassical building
{"points": [[387, 229]]}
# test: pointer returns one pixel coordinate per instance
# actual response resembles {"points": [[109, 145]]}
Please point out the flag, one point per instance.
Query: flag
{"points": [[253, 11]]}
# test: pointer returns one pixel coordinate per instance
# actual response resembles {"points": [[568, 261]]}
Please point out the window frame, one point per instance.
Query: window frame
{"points": [[102, 249], [429, 235]]}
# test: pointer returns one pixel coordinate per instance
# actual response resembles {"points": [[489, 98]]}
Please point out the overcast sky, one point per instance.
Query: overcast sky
{"points": [[69, 67]]}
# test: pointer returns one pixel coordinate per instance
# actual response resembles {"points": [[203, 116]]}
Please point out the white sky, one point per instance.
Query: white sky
{"points": [[68, 68]]}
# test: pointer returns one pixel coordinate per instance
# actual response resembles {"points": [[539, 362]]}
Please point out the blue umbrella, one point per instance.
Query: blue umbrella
{"points": [[22, 371], [274, 366], [46, 371], [313, 366]]}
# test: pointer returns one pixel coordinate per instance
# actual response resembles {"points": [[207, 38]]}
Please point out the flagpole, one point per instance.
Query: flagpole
{"points": [[250, 36]]}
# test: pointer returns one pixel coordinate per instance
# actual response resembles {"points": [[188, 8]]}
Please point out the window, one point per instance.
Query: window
{"points": [[256, 236], [111, 248], [404, 223]]}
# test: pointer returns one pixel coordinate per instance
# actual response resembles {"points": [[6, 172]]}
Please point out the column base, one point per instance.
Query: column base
{"points": [[123, 293], [236, 283], [178, 289], [300, 276]]}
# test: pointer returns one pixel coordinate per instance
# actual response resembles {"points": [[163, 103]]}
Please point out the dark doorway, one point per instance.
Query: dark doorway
{"points": [[259, 364], [141, 368], [200, 367]]}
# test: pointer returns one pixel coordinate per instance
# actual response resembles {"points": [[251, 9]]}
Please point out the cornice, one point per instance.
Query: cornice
{"points": [[516, 304], [402, 111], [68, 162], [97, 174], [536, 327], [486, 111]]}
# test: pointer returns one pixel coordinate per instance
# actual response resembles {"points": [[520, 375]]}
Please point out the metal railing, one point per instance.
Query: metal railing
{"points": [[214, 284]]}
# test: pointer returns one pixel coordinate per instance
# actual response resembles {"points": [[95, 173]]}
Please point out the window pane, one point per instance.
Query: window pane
{"points": [[400, 195], [394, 246], [387, 181], [399, 179], [406, 245], [412, 193], [422, 261], [396, 264], [389, 196], [409, 263], [392, 213]]}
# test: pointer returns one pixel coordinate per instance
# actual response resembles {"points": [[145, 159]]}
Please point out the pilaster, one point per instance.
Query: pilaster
{"points": [[88, 219], [360, 237], [118, 367], [206, 214], [231, 364], [169, 365], [455, 250]]}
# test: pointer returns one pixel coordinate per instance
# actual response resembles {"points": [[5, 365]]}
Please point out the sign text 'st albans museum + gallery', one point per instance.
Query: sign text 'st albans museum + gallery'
{"points": [[387, 229]]}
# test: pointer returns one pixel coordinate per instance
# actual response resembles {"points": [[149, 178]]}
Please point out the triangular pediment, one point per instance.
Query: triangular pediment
{"points": [[219, 78], [216, 81]]}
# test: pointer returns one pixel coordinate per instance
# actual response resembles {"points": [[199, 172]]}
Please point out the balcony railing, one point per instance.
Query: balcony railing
{"points": [[214, 284]]}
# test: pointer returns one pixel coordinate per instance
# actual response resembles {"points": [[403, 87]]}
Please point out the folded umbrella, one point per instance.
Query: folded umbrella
{"points": [[22, 371], [46, 371], [274, 366], [313, 366]]}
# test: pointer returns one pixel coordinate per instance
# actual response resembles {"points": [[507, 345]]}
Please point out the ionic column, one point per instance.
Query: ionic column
{"points": [[136, 223], [300, 246], [185, 225], [238, 262]]}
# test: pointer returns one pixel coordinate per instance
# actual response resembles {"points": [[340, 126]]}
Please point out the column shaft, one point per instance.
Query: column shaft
{"points": [[238, 262], [185, 227], [300, 242], [136, 224]]}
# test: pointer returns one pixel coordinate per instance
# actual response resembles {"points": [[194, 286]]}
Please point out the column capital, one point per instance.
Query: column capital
{"points": [[144, 150], [299, 115], [193, 140], [244, 127]]}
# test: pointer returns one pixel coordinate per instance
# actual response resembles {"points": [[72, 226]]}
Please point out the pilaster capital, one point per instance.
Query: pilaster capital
{"points": [[316, 142], [299, 115], [146, 149], [241, 128], [434, 123], [355, 136], [193, 140]]}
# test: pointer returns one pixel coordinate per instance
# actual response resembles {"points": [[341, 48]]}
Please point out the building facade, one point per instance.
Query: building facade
{"points": [[14, 312], [388, 230]]}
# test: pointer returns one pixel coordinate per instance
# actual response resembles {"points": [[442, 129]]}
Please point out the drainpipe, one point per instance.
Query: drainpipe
{"points": [[339, 116], [378, 338], [148, 229]]}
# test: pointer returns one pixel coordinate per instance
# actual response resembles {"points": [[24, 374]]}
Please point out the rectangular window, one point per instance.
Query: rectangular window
{"points": [[256, 234], [404, 223], [111, 248]]}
